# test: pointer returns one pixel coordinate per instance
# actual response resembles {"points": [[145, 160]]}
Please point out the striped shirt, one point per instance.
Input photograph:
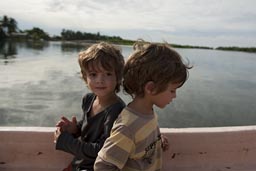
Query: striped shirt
{"points": [[134, 144]]}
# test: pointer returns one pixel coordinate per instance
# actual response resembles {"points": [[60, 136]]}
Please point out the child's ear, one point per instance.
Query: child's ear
{"points": [[150, 87]]}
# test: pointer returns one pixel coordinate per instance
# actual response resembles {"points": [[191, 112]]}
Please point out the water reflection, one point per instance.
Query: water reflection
{"points": [[8, 50], [73, 47], [36, 45]]}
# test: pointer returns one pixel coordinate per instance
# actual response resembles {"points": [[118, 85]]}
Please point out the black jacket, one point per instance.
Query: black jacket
{"points": [[93, 133]]}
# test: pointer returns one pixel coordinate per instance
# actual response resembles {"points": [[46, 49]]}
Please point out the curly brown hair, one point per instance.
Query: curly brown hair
{"points": [[102, 54], [153, 62]]}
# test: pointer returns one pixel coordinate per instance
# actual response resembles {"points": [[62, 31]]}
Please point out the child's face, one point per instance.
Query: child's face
{"points": [[100, 81], [165, 97]]}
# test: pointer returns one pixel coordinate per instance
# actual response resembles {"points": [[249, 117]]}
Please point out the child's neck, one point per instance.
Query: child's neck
{"points": [[107, 100], [141, 105], [101, 103]]}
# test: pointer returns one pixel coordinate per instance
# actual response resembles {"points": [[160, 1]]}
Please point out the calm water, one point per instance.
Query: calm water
{"points": [[39, 82]]}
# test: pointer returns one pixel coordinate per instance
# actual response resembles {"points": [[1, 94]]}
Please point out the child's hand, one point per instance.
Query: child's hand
{"points": [[66, 125], [165, 143]]}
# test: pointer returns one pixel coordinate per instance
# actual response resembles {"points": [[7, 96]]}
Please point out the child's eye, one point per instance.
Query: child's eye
{"points": [[92, 74], [173, 91], [109, 74]]}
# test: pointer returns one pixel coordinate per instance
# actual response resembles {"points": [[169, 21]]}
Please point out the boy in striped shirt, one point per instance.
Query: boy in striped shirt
{"points": [[152, 74]]}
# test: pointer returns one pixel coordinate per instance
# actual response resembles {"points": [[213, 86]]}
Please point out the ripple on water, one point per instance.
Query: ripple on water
{"points": [[35, 106]]}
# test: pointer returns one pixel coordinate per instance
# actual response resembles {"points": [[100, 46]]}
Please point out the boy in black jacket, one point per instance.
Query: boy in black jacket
{"points": [[101, 67]]}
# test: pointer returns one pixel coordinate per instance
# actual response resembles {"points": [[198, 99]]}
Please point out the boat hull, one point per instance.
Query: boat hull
{"points": [[191, 149]]}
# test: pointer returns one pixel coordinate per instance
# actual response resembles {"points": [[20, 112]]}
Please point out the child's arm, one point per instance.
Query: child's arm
{"points": [[101, 165], [116, 150], [83, 149]]}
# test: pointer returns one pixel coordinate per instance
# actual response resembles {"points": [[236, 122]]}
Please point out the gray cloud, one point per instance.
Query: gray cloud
{"points": [[232, 19]]}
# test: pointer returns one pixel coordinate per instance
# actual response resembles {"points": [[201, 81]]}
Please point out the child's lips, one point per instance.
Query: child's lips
{"points": [[100, 88]]}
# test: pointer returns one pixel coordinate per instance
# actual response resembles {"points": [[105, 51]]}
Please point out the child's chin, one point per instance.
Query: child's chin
{"points": [[161, 106]]}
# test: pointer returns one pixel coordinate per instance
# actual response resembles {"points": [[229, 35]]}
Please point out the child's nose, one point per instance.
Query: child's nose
{"points": [[100, 79]]}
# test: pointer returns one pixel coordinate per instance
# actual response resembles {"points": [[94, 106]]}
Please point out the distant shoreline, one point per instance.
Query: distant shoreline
{"points": [[131, 42]]}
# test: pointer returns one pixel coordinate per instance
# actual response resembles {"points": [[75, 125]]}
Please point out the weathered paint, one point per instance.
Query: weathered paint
{"points": [[211, 149], [191, 149]]}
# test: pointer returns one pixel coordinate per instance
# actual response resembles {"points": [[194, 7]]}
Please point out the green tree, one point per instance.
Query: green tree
{"points": [[8, 25], [5, 22], [12, 26], [37, 34]]}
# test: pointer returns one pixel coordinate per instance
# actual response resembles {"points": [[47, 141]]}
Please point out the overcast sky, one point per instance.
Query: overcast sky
{"points": [[187, 22]]}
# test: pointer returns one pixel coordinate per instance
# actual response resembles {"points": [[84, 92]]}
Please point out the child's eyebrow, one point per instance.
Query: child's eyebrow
{"points": [[99, 70], [91, 71]]}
